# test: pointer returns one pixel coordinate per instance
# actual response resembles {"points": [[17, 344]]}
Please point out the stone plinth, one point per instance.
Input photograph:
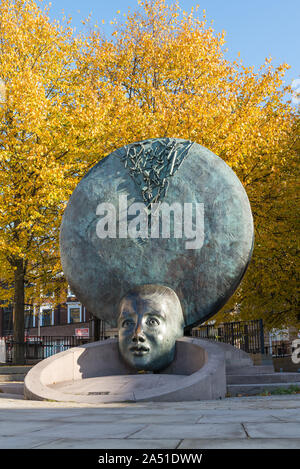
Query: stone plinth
{"points": [[94, 373]]}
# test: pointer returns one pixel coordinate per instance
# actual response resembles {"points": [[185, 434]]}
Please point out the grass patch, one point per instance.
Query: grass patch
{"points": [[292, 389]]}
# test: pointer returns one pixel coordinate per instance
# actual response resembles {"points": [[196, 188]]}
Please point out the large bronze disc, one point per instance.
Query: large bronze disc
{"points": [[204, 265]]}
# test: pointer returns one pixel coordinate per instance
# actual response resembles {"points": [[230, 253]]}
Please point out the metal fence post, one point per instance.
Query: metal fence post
{"points": [[246, 338], [232, 335], [262, 338]]}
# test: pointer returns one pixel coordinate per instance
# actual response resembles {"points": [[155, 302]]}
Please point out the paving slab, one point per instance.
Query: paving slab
{"points": [[235, 417], [251, 402], [24, 441], [10, 428], [273, 430], [249, 422], [286, 415], [178, 418], [59, 419], [241, 443], [90, 430], [109, 443], [231, 430]]}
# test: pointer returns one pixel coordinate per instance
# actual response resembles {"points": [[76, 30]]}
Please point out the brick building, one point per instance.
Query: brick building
{"points": [[63, 320]]}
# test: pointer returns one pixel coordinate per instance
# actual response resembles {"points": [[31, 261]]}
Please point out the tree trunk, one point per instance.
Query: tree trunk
{"points": [[18, 315]]}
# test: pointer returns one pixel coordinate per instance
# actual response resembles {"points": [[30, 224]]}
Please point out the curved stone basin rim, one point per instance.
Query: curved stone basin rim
{"points": [[79, 363]]}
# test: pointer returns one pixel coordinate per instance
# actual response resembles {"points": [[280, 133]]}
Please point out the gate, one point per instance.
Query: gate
{"points": [[246, 335]]}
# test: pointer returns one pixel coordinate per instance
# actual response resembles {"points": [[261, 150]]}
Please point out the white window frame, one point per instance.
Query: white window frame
{"points": [[71, 305], [42, 308]]}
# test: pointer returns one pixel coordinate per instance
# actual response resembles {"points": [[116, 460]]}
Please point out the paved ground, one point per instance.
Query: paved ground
{"points": [[247, 422]]}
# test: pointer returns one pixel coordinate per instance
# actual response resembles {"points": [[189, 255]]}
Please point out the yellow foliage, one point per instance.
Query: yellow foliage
{"points": [[170, 77], [70, 100], [51, 120]]}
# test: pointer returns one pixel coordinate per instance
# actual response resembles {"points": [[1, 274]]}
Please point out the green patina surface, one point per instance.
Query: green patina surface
{"points": [[101, 271], [152, 163]]}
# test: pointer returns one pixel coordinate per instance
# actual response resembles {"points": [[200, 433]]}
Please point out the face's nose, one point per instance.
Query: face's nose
{"points": [[138, 335]]}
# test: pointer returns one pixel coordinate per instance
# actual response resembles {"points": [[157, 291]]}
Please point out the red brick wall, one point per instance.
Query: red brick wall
{"points": [[58, 330], [61, 326], [61, 314]]}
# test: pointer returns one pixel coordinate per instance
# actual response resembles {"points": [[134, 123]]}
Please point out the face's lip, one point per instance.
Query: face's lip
{"points": [[139, 349]]}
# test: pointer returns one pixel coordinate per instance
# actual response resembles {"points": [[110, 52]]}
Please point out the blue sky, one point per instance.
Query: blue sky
{"points": [[255, 28]]}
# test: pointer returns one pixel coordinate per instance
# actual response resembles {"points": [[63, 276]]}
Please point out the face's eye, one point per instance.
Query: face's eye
{"points": [[152, 322], [127, 323]]}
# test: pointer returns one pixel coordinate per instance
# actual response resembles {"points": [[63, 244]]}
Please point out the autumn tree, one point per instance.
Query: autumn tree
{"points": [[72, 99], [270, 290], [49, 119]]}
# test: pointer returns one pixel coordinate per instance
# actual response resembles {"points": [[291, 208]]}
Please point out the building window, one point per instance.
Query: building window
{"points": [[28, 319], [7, 320], [46, 317], [74, 313]]}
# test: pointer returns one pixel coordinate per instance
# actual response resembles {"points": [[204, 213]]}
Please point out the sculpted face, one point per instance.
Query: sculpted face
{"points": [[150, 321]]}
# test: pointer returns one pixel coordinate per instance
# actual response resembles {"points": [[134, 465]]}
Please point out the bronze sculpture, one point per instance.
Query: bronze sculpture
{"points": [[197, 245], [150, 319]]}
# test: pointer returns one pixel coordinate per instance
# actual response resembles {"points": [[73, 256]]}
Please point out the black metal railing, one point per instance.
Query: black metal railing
{"points": [[40, 347], [246, 335], [279, 349]]}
